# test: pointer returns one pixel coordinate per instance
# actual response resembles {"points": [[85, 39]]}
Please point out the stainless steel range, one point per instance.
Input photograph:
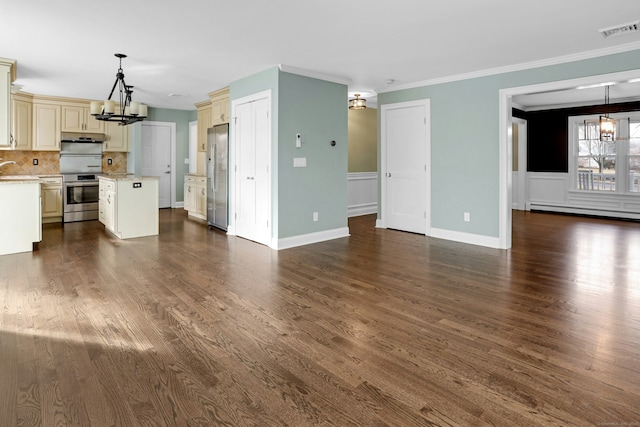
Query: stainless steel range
{"points": [[80, 166]]}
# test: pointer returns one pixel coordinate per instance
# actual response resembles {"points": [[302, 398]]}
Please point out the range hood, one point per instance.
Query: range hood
{"points": [[83, 137]]}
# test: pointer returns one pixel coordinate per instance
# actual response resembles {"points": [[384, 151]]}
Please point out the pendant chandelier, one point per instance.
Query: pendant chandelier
{"points": [[128, 111], [607, 124], [357, 103]]}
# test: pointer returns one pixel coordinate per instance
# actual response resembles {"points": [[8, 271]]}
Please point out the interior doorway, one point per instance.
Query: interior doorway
{"points": [[406, 166], [158, 158], [250, 155]]}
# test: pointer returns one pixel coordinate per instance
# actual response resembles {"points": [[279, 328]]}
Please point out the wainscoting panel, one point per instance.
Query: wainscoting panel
{"points": [[362, 193]]}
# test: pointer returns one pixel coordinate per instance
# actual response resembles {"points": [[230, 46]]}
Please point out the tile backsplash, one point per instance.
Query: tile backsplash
{"points": [[49, 162]]}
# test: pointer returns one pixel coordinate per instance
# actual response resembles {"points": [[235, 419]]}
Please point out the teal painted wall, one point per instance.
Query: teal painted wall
{"points": [[465, 137], [315, 109], [181, 118]]}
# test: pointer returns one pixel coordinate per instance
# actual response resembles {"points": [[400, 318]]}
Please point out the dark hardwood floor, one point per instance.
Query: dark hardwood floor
{"points": [[385, 328]]}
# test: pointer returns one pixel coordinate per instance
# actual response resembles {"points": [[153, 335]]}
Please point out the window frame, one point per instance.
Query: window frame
{"points": [[621, 158]]}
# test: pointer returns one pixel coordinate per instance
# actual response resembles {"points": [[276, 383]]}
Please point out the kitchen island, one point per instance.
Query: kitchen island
{"points": [[20, 217], [128, 205]]}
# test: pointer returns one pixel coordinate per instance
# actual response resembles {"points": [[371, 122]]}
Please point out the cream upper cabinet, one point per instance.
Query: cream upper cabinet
{"points": [[76, 118], [21, 122], [117, 137], [7, 76], [204, 123], [219, 107], [46, 127]]}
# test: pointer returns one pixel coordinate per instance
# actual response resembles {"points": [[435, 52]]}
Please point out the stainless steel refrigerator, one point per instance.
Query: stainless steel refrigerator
{"points": [[218, 176]]}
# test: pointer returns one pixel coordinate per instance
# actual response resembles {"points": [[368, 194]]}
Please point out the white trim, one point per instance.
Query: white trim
{"points": [[504, 99], [314, 74], [362, 187], [172, 144], [516, 67], [307, 239], [179, 205], [472, 239], [522, 164], [584, 211], [426, 103]]}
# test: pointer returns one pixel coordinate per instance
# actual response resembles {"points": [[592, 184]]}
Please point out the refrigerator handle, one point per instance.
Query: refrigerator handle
{"points": [[214, 163]]}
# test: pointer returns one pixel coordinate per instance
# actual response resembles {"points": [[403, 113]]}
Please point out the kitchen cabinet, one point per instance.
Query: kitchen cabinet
{"points": [[219, 107], [78, 118], [195, 196], [204, 123], [46, 127], [128, 206], [117, 137], [21, 121], [51, 198], [7, 76], [20, 220]]}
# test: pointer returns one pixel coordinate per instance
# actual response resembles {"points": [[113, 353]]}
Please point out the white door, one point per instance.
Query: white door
{"points": [[406, 166], [252, 136], [156, 158]]}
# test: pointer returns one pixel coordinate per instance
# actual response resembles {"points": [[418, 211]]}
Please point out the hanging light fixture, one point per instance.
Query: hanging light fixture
{"points": [[128, 111], [607, 125], [357, 103]]}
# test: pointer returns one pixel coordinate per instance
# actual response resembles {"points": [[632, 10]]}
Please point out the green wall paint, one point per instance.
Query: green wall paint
{"points": [[465, 139], [181, 118], [315, 109], [321, 186]]}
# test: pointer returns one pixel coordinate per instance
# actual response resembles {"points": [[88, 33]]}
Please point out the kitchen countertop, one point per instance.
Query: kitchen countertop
{"points": [[127, 178], [19, 179]]}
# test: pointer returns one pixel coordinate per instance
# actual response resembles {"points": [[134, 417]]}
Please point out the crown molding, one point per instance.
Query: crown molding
{"points": [[516, 67], [314, 74]]}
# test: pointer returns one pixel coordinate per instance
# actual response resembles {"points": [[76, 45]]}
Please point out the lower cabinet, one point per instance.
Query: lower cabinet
{"points": [[128, 207], [195, 196], [51, 196]]}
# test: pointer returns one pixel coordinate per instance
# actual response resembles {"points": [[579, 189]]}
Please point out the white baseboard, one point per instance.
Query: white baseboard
{"points": [[472, 239], [307, 239], [179, 205]]}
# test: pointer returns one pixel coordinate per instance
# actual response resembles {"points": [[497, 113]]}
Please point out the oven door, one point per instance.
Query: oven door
{"points": [[81, 196]]}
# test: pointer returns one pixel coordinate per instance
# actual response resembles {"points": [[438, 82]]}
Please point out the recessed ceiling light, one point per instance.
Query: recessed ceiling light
{"points": [[390, 81]]}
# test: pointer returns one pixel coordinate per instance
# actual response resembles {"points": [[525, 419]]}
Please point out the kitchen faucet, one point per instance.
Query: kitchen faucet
{"points": [[10, 162]]}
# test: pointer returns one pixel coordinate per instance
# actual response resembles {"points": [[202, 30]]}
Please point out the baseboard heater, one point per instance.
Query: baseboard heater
{"points": [[585, 211]]}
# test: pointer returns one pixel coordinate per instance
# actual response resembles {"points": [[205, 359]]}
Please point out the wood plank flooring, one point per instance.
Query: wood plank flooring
{"points": [[385, 328]]}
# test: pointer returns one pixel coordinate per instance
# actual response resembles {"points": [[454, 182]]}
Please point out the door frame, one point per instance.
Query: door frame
{"points": [[172, 156], [505, 160], [426, 103], [233, 160], [521, 185]]}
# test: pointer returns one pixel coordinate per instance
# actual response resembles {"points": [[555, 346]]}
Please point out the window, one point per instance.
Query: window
{"points": [[606, 166]]}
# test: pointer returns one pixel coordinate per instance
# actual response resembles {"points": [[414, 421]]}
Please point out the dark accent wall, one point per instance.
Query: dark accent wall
{"points": [[547, 133]]}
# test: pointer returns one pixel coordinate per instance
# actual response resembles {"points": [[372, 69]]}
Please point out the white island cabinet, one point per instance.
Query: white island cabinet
{"points": [[128, 205], [20, 220]]}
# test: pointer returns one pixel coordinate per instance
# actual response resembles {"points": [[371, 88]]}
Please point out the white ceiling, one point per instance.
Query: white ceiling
{"points": [[193, 47]]}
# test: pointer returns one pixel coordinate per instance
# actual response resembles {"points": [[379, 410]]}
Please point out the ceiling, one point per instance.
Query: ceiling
{"points": [[189, 48]]}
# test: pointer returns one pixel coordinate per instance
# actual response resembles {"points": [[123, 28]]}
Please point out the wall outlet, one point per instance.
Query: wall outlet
{"points": [[35, 162], [109, 161], [315, 216], [467, 217]]}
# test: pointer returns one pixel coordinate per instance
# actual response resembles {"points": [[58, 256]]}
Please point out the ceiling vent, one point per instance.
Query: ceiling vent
{"points": [[619, 30]]}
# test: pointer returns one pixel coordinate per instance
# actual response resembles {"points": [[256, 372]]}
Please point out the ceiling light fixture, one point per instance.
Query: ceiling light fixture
{"points": [[128, 111], [357, 103], [607, 125]]}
